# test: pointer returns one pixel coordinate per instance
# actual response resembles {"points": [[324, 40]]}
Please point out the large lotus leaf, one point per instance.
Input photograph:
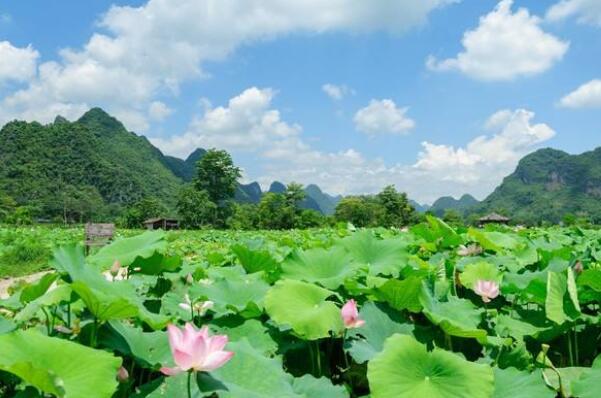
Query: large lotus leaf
{"points": [[457, 317], [256, 260], [568, 377], [382, 257], [6, 326], [590, 278], [495, 241], [35, 290], [481, 270], [512, 383], [311, 387], [587, 386], [402, 294], [52, 297], [243, 295], [380, 323], [445, 235], [557, 307], [251, 329], [126, 250], [106, 300], [405, 369], [149, 348], [57, 366], [303, 307], [250, 374], [327, 267], [156, 264], [516, 328]]}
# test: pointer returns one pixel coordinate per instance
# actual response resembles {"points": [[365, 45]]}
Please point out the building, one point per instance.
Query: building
{"points": [[161, 223], [494, 218]]}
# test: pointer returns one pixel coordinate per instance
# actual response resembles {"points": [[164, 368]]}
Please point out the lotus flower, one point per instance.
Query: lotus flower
{"points": [[350, 315], [470, 250], [195, 350], [488, 290]]}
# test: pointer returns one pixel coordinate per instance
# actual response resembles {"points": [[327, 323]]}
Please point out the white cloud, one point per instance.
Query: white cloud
{"points": [[17, 64], [249, 124], [505, 45], [159, 111], [246, 124], [587, 11], [587, 95], [336, 92], [147, 51], [383, 117]]}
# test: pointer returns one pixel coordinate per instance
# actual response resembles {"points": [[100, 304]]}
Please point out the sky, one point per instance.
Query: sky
{"points": [[438, 97]]}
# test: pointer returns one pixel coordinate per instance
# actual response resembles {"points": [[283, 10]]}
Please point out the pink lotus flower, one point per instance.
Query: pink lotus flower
{"points": [[350, 315], [488, 290], [195, 350]]}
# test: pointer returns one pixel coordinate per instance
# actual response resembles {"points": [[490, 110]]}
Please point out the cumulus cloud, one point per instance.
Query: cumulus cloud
{"points": [[17, 64], [383, 117], [152, 49], [505, 45], [249, 124], [586, 11], [587, 95], [336, 92], [159, 111]]}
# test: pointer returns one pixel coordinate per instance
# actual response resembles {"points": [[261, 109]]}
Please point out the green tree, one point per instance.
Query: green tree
{"points": [[194, 207], [7, 207], [310, 219], [143, 210], [397, 212], [272, 211], [245, 217], [452, 217], [218, 176], [359, 210]]}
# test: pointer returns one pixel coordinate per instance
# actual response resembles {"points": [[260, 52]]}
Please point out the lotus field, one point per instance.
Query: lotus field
{"points": [[433, 312]]}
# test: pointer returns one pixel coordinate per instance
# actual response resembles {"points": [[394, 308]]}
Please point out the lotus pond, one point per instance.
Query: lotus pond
{"points": [[435, 312]]}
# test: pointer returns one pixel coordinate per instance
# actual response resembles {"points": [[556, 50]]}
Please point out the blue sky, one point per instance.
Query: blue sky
{"points": [[337, 94]]}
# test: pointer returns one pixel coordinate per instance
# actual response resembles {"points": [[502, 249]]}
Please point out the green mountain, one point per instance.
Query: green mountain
{"points": [[461, 205], [419, 207], [547, 185], [185, 169], [326, 203], [94, 159]]}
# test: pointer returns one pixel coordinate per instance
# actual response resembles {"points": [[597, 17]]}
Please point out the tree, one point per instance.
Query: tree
{"points": [[141, 211], [194, 207], [359, 210], [246, 217], [310, 219], [397, 210], [272, 211], [218, 176], [452, 216], [7, 207]]}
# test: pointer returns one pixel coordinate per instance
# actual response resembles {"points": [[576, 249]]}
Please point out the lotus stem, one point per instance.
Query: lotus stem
{"points": [[190, 384], [570, 348]]}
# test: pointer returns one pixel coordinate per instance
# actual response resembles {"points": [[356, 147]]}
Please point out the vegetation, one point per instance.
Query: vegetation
{"points": [[433, 312]]}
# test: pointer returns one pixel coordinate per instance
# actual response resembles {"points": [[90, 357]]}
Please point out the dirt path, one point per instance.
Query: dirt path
{"points": [[6, 283]]}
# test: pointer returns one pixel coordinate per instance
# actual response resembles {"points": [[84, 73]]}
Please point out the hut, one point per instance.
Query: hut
{"points": [[161, 223], [494, 218]]}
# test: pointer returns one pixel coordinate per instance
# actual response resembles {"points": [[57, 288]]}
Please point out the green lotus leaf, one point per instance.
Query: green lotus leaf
{"points": [[587, 386], [251, 329], [303, 307], [402, 294], [558, 308], [382, 257], [52, 297], [126, 250], [241, 294], [6, 326], [568, 377], [457, 317], [517, 328], [256, 260], [35, 290], [327, 267], [405, 369], [481, 270], [513, 383], [311, 387], [590, 278], [150, 349], [156, 264], [380, 323], [59, 367]]}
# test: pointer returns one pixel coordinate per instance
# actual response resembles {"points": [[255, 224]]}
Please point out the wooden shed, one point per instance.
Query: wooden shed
{"points": [[161, 223], [494, 218]]}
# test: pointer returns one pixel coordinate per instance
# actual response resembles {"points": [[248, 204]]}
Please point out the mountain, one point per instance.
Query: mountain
{"points": [[419, 207], [461, 205], [94, 155], [249, 193], [277, 187], [185, 169], [326, 203], [547, 185]]}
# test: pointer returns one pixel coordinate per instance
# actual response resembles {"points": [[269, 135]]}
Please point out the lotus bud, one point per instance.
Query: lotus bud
{"points": [[189, 279], [488, 290], [350, 315], [578, 267], [122, 375], [115, 268]]}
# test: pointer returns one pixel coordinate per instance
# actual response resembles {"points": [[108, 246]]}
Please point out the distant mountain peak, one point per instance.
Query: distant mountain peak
{"points": [[60, 120], [97, 118], [277, 187]]}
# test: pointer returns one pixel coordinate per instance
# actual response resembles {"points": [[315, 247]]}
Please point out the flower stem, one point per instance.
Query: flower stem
{"points": [[318, 358], [190, 384]]}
